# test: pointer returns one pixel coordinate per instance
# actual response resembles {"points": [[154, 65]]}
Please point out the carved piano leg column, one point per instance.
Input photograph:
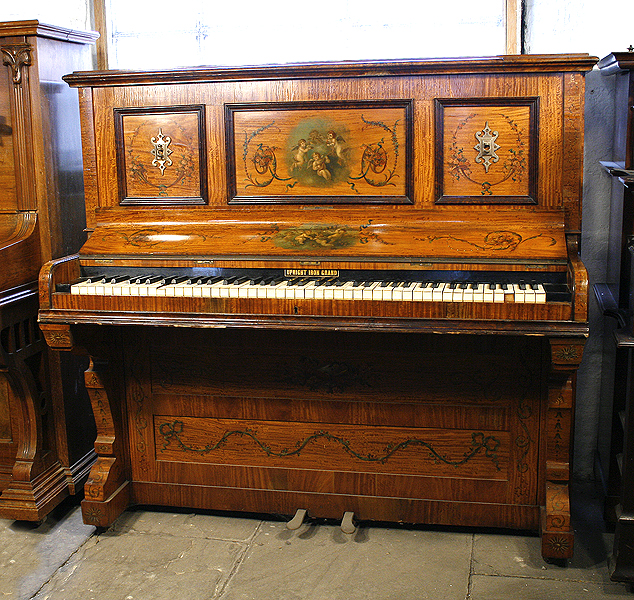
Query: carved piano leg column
{"points": [[107, 492], [556, 527], [38, 480]]}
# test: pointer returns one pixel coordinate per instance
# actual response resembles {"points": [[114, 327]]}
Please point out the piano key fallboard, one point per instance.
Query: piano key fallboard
{"points": [[276, 255]]}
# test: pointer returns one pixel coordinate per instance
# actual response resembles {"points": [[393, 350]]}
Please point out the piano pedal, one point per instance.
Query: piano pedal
{"points": [[347, 523], [297, 520]]}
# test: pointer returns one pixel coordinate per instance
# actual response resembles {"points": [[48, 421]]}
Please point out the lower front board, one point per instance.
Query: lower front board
{"points": [[401, 427]]}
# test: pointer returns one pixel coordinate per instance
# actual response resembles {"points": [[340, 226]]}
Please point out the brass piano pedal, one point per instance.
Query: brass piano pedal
{"points": [[347, 523], [297, 520]]}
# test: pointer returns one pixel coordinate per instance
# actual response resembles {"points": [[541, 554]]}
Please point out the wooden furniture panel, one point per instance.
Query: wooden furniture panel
{"points": [[46, 422], [425, 90]]}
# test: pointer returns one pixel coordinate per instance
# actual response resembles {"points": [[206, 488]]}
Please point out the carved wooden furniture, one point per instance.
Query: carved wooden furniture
{"points": [[46, 428], [340, 288], [615, 297]]}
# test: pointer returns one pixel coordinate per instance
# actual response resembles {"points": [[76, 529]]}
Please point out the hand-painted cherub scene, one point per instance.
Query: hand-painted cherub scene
{"points": [[321, 155]]}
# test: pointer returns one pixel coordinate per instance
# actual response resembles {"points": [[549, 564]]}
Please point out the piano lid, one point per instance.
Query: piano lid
{"points": [[336, 235], [541, 63]]}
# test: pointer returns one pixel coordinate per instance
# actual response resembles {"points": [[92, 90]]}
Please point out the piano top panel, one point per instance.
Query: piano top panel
{"points": [[55, 32], [380, 234], [405, 128], [537, 63]]}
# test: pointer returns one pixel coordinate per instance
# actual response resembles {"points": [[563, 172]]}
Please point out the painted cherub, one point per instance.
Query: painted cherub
{"points": [[336, 146], [318, 164], [299, 154]]}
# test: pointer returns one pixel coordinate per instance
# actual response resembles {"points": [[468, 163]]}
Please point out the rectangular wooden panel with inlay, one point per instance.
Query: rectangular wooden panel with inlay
{"points": [[320, 152], [161, 156], [486, 150], [363, 415]]}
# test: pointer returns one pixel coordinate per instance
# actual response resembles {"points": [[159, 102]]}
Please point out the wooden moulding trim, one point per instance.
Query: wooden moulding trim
{"points": [[496, 64], [615, 62], [407, 510], [577, 332], [56, 271], [34, 27]]}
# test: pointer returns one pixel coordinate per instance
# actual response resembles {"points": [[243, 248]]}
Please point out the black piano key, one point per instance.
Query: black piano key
{"points": [[175, 280]]}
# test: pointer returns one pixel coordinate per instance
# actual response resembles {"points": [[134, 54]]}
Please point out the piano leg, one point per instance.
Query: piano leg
{"points": [[38, 481], [107, 491], [556, 528]]}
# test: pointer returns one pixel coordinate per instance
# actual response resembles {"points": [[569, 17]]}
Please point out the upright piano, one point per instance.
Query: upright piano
{"points": [[46, 426], [340, 288]]}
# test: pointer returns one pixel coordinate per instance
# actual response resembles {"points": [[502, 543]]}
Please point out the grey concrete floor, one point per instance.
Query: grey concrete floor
{"points": [[161, 554]]}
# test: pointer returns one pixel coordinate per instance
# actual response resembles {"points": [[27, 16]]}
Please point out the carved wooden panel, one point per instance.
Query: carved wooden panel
{"points": [[409, 451], [269, 409], [161, 155], [5, 416], [316, 152], [8, 199], [486, 150]]}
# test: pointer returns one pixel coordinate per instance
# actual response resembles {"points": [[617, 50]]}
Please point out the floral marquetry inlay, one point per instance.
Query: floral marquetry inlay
{"points": [[566, 354], [161, 155], [501, 167]]}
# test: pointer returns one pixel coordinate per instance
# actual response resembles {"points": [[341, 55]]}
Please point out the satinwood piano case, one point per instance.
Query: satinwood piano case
{"points": [[344, 288]]}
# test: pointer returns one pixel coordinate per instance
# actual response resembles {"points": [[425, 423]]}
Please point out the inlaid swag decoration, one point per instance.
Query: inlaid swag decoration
{"points": [[487, 445], [319, 152], [486, 150]]}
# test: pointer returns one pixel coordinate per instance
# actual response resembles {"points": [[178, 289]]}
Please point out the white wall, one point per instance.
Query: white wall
{"points": [[598, 28], [74, 14]]}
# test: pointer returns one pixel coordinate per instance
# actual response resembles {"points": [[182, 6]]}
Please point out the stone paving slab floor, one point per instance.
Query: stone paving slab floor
{"points": [[158, 554]]}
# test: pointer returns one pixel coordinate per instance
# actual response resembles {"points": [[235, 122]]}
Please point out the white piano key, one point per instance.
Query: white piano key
{"points": [[447, 293], [424, 292], [75, 288], [83, 288], [518, 294], [340, 291], [529, 294], [478, 293], [540, 294], [329, 291], [458, 293], [397, 291], [437, 291], [368, 290]]}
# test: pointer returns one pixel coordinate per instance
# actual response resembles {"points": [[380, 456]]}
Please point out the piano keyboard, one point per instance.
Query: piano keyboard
{"points": [[312, 289]]}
